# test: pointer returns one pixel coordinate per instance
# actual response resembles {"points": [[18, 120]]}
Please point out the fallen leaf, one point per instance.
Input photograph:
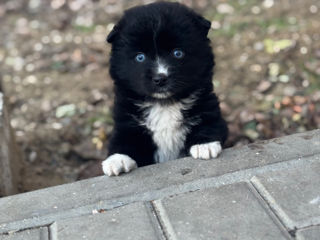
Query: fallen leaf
{"points": [[275, 46]]}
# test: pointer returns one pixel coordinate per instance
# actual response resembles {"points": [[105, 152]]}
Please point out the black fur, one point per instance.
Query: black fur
{"points": [[156, 29]]}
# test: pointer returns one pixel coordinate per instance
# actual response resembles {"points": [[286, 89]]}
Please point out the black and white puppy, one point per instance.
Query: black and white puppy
{"points": [[162, 64]]}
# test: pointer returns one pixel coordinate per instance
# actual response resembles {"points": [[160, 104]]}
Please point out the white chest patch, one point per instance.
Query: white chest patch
{"points": [[168, 132], [166, 125]]}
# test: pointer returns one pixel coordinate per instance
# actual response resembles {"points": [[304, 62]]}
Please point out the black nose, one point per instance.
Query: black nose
{"points": [[160, 80]]}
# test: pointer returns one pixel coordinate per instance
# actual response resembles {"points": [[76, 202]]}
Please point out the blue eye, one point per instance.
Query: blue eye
{"points": [[177, 53], [140, 57]]}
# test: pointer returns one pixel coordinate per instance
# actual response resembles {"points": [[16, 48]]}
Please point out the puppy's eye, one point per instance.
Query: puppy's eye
{"points": [[140, 57], [177, 53]]}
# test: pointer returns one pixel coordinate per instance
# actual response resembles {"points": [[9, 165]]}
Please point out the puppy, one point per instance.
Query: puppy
{"points": [[162, 65]]}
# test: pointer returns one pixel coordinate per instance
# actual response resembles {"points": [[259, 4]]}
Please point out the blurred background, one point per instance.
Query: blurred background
{"points": [[54, 66]]}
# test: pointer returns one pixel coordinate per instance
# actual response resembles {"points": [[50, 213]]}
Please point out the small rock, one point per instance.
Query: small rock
{"points": [[251, 134], [284, 78], [66, 111], [289, 90], [225, 108], [215, 25], [297, 109], [286, 101], [55, 4], [246, 116], [261, 117], [264, 86], [255, 10], [46, 105], [255, 68], [225, 8], [268, 3], [33, 156], [258, 46], [299, 100]]}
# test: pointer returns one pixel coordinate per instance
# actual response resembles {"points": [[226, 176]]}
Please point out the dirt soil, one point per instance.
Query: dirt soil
{"points": [[54, 64]]}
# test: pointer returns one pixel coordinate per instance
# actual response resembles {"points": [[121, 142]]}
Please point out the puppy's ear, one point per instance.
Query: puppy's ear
{"points": [[113, 34], [203, 24]]}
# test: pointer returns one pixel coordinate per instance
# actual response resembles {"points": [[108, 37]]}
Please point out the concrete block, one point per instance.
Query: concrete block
{"points": [[131, 222], [312, 233], [293, 193], [229, 212], [9, 157], [29, 234], [154, 181]]}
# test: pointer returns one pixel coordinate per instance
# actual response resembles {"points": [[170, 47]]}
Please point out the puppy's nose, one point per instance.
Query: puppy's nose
{"points": [[160, 80]]}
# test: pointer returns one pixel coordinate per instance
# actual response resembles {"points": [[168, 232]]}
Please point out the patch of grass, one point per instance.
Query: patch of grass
{"points": [[85, 29], [231, 30], [212, 15], [278, 23], [314, 80], [243, 6], [57, 65], [103, 117], [250, 125]]}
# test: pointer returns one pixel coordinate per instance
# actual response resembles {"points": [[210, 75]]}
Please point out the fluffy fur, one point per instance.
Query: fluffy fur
{"points": [[165, 107]]}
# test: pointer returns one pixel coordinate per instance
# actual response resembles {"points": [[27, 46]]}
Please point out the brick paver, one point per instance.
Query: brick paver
{"points": [[41, 233], [295, 191], [229, 212], [312, 233], [132, 221]]}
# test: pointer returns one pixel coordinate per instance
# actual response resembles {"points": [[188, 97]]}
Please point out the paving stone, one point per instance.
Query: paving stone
{"points": [[164, 177], [294, 193], [230, 212], [30, 234], [312, 233], [132, 222]]}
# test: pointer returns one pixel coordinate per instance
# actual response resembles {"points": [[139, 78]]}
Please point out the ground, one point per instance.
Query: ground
{"points": [[54, 64]]}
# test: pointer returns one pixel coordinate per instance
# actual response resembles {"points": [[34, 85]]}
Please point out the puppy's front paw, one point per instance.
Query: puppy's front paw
{"points": [[206, 151], [118, 163]]}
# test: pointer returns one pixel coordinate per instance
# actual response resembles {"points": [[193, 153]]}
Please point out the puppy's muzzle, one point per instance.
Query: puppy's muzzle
{"points": [[160, 80]]}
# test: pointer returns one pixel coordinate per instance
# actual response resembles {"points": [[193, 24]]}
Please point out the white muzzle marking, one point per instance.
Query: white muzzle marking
{"points": [[162, 68]]}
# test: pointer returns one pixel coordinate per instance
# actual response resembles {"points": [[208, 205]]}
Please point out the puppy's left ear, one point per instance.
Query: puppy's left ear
{"points": [[203, 24], [113, 34]]}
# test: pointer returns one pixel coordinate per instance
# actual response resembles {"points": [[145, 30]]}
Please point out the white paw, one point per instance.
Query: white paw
{"points": [[118, 163], [206, 151]]}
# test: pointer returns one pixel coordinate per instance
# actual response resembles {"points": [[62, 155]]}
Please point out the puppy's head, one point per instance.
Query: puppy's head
{"points": [[161, 51]]}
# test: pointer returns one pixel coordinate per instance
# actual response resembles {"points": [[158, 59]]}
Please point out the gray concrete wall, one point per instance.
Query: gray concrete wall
{"points": [[267, 190]]}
